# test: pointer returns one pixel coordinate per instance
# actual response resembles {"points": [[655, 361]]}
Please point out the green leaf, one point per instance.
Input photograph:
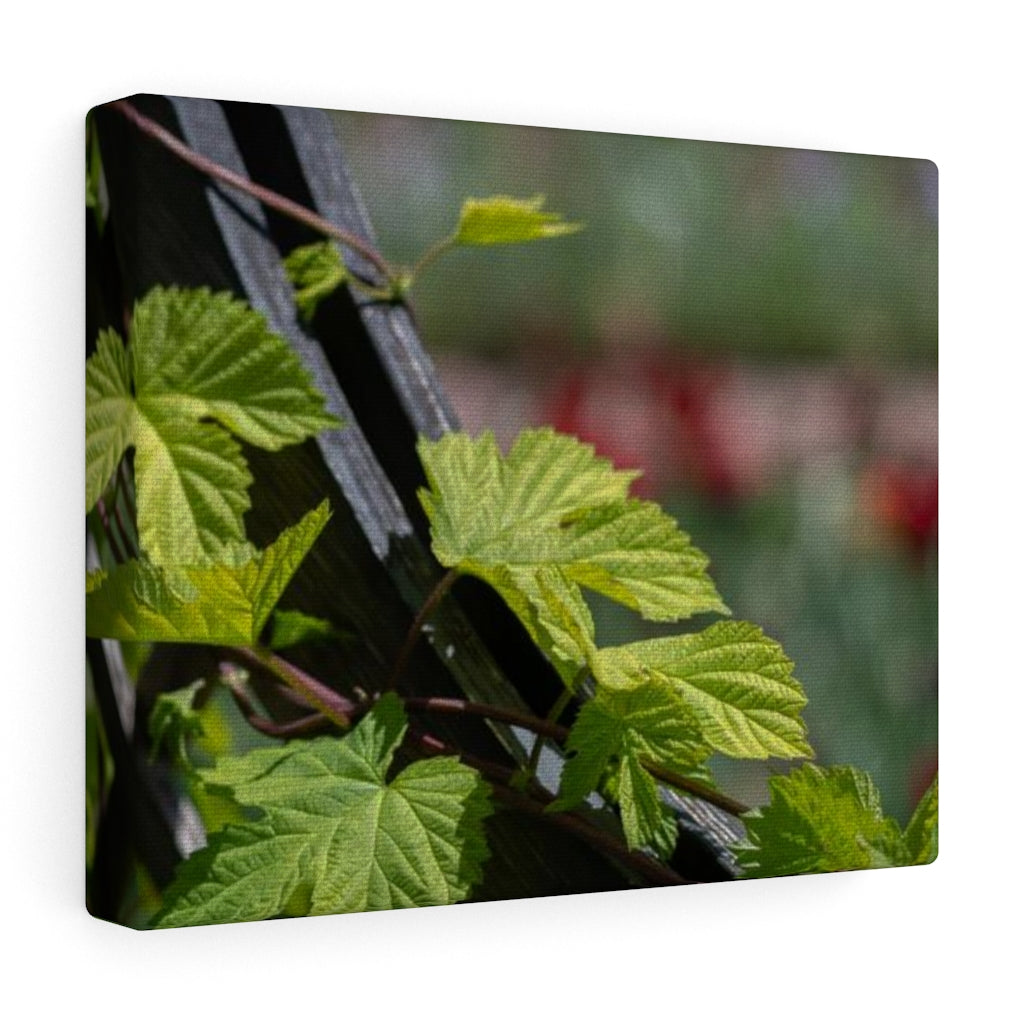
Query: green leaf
{"points": [[500, 220], [224, 603], [922, 834], [820, 819], [334, 836], [109, 412], [174, 721], [198, 368], [646, 821], [618, 731], [552, 516], [290, 628], [559, 613], [737, 682], [315, 271]]}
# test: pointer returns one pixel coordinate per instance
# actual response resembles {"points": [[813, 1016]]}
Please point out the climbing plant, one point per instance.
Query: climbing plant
{"points": [[352, 807]]}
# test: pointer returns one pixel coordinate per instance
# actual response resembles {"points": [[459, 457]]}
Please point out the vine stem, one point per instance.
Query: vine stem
{"points": [[436, 250], [455, 706], [268, 197], [331, 704], [553, 716], [697, 789], [559, 733], [653, 870], [540, 726], [433, 599], [280, 730], [499, 777]]}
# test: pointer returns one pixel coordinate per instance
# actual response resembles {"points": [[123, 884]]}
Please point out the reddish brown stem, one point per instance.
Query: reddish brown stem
{"points": [[558, 733], [328, 702], [499, 776], [426, 610], [455, 706], [267, 196], [697, 789], [281, 730]]}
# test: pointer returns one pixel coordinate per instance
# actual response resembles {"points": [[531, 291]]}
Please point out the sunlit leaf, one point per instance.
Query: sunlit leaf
{"points": [[922, 834], [333, 835], [222, 603], [737, 682], [820, 819], [315, 271], [500, 220], [620, 730], [548, 518], [200, 370], [174, 721]]}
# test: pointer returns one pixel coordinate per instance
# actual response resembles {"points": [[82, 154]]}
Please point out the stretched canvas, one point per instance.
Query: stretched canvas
{"points": [[479, 512]]}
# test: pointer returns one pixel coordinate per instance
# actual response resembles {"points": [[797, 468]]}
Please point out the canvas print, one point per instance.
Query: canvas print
{"points": [[479, 512]]}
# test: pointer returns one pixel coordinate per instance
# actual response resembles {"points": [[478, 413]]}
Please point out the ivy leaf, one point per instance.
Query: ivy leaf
{"points": [[619, 730], [820, 819], [737, 682], [315, 271], [549, 517], [223, 603], [501, 220], [334, 836], [198, 368], [922, 834]]}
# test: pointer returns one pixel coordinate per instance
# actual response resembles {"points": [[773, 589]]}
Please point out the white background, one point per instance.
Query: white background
{"points": [[886, 78]]}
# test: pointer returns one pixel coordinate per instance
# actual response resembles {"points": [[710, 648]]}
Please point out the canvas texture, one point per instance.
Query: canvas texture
{"points": [[479, 512]]}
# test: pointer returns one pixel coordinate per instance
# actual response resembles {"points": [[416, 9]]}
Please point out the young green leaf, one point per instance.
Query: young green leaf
{"points": [[315, 271], [552, 516], [501, 220], [737, 682], [922, 834], [222, 603], [820, 819], [198, 368], [290, 628], [173, 722], [333, 835], [621, 730]]}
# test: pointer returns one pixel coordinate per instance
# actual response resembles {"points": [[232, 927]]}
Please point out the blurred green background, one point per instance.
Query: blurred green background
{"points": [[740, 248], [757, 329]]}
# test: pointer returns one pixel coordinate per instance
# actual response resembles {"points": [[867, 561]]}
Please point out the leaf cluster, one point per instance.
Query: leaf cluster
{"points": [[831, 819], [552, 519], [333, 834], [318, 269], [327, 825]]}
